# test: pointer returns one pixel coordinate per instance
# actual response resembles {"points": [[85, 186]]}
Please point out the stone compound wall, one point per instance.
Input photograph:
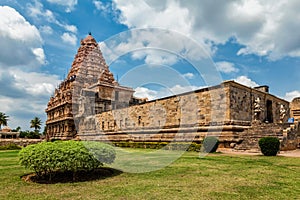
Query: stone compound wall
{"points": [[172, 114], [225, 111], [295, 109], [242, 108], [199, 108], [242, 104], [19, 142]]}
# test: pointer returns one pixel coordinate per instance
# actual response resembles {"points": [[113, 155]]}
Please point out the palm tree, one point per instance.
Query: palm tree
{"points": [[36, 123], [18, 129], [3, 119]]}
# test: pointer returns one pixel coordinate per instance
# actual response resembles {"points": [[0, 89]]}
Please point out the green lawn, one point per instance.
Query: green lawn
{"points": [[215, 176]]}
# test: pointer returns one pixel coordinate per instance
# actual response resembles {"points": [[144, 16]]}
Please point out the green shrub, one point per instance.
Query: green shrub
{"points": [[23, 134], [30, 134], [189, 146], [46, 158], [269, 146], [34, 135], [104, 153], [10, 146], [194, 147], [210, 144]]}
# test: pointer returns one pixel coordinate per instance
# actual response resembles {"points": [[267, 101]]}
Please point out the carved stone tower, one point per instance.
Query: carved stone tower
{"points": [[89, 89]]}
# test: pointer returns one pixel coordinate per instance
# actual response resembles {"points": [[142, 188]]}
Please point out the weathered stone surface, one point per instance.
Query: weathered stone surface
{"points": [[19, 142], [295, 109]]}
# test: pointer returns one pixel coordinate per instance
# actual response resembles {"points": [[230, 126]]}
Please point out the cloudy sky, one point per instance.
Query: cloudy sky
{"points": [[157, 47]]}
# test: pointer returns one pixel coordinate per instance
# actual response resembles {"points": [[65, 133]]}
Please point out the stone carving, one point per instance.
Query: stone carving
{"points": [[257, 109], [81, 108], [282, 113], [89, 87]]}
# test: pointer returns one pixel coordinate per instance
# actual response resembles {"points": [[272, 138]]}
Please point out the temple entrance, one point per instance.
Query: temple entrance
{"points": [[269, 112]]}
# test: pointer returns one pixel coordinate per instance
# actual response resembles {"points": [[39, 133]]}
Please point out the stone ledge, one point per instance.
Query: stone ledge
{"points": [[20, 142]]}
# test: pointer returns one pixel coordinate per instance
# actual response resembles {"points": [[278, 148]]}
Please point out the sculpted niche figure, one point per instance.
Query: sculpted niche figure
{"points": [[257, 109], [282, 113], [81, 106]]}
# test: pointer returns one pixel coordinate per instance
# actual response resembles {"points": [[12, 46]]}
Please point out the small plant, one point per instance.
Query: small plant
{"points": [[210, 144], [47, 158], [269, 146]]}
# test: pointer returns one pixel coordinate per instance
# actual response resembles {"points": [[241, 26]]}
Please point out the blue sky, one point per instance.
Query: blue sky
{"points": [[153, 46]]}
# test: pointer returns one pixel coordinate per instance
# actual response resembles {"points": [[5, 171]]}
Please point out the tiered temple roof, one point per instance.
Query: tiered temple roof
{"points": [[89, 72]]}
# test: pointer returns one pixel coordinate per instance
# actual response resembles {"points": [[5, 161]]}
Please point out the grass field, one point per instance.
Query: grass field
{"points": [[216, 176]]}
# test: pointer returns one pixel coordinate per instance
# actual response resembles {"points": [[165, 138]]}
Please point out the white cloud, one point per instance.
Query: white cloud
{"points": [[24, 95], [38, 13], [154, 46], [106, 8], [21, 42], [265, 28], [160, 58], [163, 46], [71, 28], [69, 4], [46, 30], [100, 6], [21, 111], [289, 96], [69, 38], [162, 18], [28, 86], [188, 75], [15, 26], [226, 67], [246, 81], [39, 53], [178, 89], [143, 92], [35, 84]]}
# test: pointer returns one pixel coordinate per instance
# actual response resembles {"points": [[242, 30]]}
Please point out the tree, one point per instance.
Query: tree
{"points": [[3, 119], [36, 123], [45, 130], [18, 129]]}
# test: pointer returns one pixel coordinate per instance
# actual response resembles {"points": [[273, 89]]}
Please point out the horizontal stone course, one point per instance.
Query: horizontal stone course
{"points": [[20, 142]]}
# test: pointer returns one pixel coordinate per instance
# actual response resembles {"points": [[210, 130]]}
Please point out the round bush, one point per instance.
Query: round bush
{"points": [[48, 157], [210, 144], [269, 146]]}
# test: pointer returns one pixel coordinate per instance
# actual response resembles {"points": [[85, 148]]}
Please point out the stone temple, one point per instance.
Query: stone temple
{"points": [[91, 105]]}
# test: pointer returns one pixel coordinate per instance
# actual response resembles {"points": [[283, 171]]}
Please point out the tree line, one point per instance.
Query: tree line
{"points": [[35, 123]]}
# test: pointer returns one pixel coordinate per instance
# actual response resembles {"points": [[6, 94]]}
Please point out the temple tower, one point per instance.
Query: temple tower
{"points": [[89, 88]]}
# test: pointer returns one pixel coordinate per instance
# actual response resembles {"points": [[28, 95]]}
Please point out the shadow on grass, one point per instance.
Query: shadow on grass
{"points": [[67, 177]]}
